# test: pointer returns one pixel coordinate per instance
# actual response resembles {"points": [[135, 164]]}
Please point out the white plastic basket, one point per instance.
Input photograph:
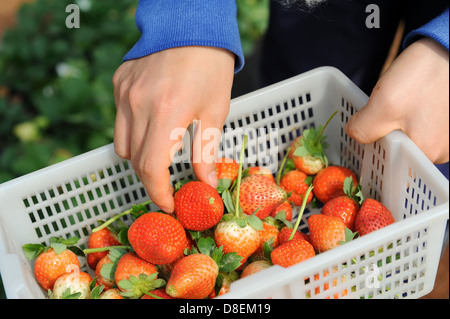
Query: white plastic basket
{"points": [[398, 261]]}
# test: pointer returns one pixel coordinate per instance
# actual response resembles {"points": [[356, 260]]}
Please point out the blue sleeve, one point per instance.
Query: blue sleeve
{"points": [[437, 29], [167, 24]]}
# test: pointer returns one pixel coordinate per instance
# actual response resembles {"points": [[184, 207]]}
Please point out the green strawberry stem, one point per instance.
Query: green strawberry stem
{"points": [[148, 293], [100, 249], [302, 209], [117, 217], [281, 169], [323, 128], [238, 185]]}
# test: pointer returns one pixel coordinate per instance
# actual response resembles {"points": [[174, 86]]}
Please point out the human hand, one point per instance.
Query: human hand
{"points": [[164, 91], [412, 96]]}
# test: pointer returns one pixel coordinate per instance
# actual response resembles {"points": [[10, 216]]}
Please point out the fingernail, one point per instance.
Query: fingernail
{"points": [[212, 179]]}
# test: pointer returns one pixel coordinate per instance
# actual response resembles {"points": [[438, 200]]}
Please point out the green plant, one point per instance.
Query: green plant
{"points": [[56, 93], [57, 97]]}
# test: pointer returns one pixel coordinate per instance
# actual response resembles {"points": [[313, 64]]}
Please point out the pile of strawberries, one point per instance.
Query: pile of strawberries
{"points": [[215, 235]]}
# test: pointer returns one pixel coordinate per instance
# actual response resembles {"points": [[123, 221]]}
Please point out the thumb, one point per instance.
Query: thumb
{"points": [[372, 122]]}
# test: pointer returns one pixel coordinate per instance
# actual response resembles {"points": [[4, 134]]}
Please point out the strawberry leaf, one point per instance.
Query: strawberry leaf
{"points": [[255, 222], [228, 201], [229, 262], [223, 184], [206, 246], [31, 251]]}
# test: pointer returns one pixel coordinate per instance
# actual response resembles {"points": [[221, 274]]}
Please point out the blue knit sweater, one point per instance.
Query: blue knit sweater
{"points": [[173, 23]]}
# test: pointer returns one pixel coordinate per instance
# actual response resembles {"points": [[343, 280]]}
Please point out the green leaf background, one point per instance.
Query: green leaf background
{"points": [[56, 93]]}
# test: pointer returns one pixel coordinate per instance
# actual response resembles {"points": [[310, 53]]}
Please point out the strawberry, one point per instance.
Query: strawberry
{"points": [[235, 238], [102, 238], [135, 276], [198, 206], [269, 232], [296, 183], [157, 238], [308, 150], [54, 260], [236, 233], [258, 170], [195, 275], [227, 172], [286, 232], [328, 232], [309, 164], [258, 193], [74, 285], [255, 267], [345, 206], [285, 207], [226, 280], [329, 182], [292, 252], [113, 293], [372, 215], [227, 168], [107, 281]]}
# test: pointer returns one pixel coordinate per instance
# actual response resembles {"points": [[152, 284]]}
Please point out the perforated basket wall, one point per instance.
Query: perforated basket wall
{"points": [[399, 261]]}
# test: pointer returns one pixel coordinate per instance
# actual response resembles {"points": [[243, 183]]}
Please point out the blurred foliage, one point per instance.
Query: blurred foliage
{"points": [[56, 94]]}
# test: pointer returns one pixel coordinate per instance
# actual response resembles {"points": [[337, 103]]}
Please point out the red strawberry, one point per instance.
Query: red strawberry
{"points": [[198, 206], [308, 151], [107, 282], [292, 252], [295, 184], [227, 168], [345, 206], [329, 182], [257, 192], [102, 238], [134, 276], [75, 285], [327, 232], [286, 232], [285, 207], [52, 261], [258, 170], [157, 238], [269, 232], [373, 215], [193, 277], [255, 267]]}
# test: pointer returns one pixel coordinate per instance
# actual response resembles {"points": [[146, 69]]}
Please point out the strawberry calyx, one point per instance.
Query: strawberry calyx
{"points": [[135, 286], [353, 191], [349, 236], [58, 244], [313, 142]]}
